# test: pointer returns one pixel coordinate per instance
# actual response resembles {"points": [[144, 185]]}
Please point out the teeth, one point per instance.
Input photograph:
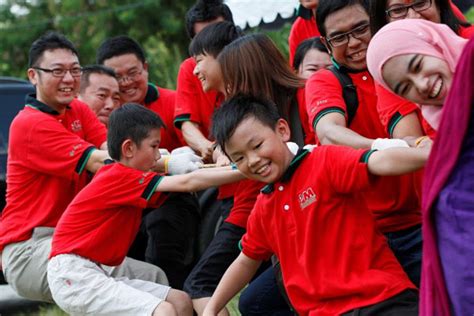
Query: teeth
{"points": [[66, 89], [262, 169], [436, 88]]}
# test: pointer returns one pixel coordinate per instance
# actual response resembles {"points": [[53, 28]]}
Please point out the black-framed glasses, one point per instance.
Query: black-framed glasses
{"points": [[132, 75], [343, 39], [61, 72], [400, 11]]}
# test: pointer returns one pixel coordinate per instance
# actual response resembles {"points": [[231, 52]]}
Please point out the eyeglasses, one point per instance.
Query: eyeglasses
{"points": [[60, 72], [130, 76], [400, 11], [343, 39]]}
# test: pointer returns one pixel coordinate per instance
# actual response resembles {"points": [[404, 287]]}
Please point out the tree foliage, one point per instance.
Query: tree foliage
{"points": [[158, 25]]}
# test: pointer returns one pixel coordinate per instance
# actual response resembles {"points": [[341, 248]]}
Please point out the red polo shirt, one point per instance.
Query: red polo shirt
{"points": [[393, 200], [102, 221], [47, 156], [308, 131], [244, 199], [162, 102], [333, 259], [392, 109], [300, 30]]}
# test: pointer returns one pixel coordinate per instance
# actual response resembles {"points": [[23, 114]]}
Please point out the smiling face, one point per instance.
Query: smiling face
{"points": [[259, 151], [430, 14], [132, 76], [56, 92], [419, 78], [312, 62], [101, 95], [353, 53], [208, 70], [144, 156]]}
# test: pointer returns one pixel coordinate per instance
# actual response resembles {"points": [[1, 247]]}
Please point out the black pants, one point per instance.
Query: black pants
{"points": [[168, 236], [404, 304]]}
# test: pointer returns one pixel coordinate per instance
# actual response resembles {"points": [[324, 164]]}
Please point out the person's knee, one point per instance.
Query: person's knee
{"points": [[165, 309], [181, 302]]}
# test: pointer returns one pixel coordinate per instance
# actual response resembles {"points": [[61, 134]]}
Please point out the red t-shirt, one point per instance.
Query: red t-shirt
{"points": [[393, 200], [333, 259], [162, 102], [309, 137], [192, 103], [47, 155], [102, 221], [300, 30], [244, 199], [392, 109]]}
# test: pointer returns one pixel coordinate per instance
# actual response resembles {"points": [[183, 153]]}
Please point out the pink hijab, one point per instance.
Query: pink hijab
{"points": [[414, 36]]}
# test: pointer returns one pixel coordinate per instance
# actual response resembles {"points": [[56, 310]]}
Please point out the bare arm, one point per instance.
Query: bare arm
{"points": [[409, 125], [332, 129], [196, 140], [96, 160], [239, 274], [397, 161], [199, 180]]}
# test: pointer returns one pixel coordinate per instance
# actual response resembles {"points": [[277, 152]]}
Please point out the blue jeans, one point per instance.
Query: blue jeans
{"points": [[262, 297], [406, 245]]}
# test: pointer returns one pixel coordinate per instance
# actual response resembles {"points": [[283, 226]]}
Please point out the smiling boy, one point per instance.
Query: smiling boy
{"points": [[110, 208], [311, 207]]}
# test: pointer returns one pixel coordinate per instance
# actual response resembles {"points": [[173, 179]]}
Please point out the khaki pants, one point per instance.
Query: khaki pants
{"points": [[25, 264]]}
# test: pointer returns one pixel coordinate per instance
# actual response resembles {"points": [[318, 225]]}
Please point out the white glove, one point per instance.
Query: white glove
{"points": [[293, 147], [164, 152], [310, 147], [182, 150], [385, 143], [182, 163]]}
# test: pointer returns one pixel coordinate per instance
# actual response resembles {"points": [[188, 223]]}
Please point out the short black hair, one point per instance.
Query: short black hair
{"points": [[94, 69], [48, 41], [233, 111], [213, 38], [327, 7], [131, 121], [205, 11], [378, 16], [118, 46], [304, 47]]}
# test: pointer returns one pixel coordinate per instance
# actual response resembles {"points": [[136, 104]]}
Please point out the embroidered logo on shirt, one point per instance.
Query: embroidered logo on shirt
{"points": [[76, 126], [306, 198], [74, 148]]}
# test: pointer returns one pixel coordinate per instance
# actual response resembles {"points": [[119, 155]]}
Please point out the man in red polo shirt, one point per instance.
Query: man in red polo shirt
{"points": [[333, 258], [170, 229], [53, 143], [394, 201]]}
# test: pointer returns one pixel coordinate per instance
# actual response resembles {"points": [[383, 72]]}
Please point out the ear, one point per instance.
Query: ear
{"points": [[32, 76], [128, 148], [283, 130], [145, 66], [326, 44]]}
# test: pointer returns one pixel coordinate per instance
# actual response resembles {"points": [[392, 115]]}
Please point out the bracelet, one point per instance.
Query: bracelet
{"points": [[166, 159], [419, 140]]}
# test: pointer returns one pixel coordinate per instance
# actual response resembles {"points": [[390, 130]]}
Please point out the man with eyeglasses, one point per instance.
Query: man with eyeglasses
{"points": [[54, 143], [345, 31], [172, 228]]}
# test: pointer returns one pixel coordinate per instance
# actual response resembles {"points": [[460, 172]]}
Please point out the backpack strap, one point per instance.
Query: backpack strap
{"points": [[349, 92]]}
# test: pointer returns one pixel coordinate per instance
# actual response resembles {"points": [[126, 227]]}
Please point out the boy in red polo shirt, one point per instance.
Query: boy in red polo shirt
{"points": [[170, 233], [345, 31], [312, 216], [110, 208]]}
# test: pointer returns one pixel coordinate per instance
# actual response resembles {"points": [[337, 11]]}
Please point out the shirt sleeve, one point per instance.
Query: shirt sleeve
{"points": [[392, 108], [54, 150], [323, 95], [346, 168], [254, 242], [187, 94]]}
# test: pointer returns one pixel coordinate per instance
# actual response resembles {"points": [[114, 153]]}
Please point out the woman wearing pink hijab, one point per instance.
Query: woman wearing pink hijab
{"points": [[416, 59], [447, 281]]}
